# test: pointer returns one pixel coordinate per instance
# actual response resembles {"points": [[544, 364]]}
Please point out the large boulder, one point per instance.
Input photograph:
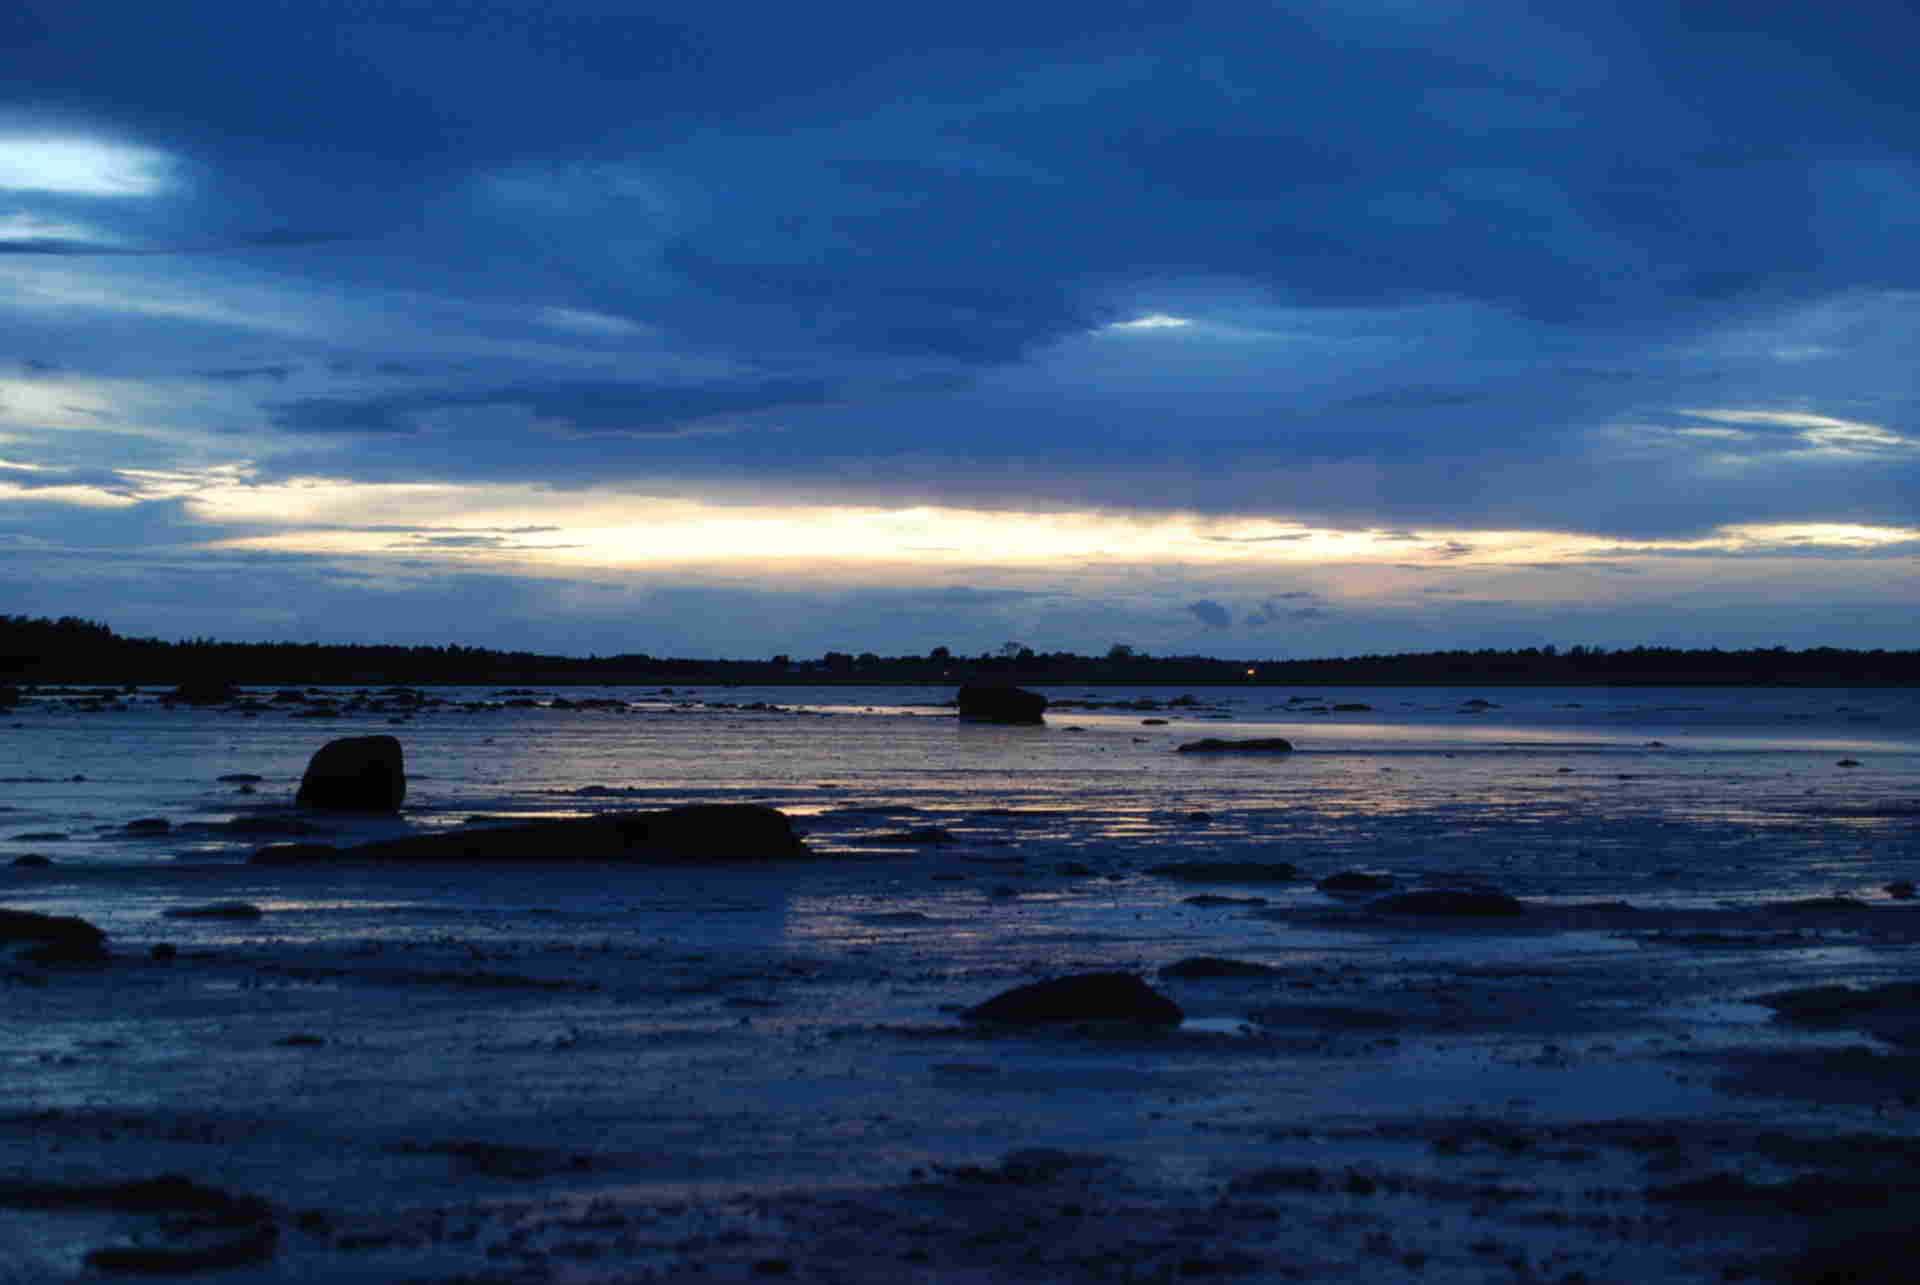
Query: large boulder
{"points": [[1082, 997], [50, 939], [355, 774], [993, 703], [703, 832]]}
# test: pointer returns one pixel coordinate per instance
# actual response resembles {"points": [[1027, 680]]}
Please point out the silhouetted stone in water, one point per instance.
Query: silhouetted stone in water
{"points": [[204, 691], [1901, 890], [1213, 966], [50, 939], [1227, 871], [1355, 881], [290, 854], [1083, 997], [1257, 745], [1449, 901], [32, 859], [702, 832], [207, 1229], [215, 910], [987, 703], [355, 774]]}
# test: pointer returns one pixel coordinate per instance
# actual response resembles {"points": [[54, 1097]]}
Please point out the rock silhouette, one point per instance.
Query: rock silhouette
{"points": [[701, 832], [1083, 997], [355, 774], [984, 703], [50, 939]]}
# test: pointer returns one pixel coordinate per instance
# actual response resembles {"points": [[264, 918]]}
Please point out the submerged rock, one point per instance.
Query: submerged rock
{"points": [[987, 703], [1355, 881], [355, 774], [1214, 966], [1083, 997], [701, 832], [50, 939], [215, 910], [1449, 901], [1227, 871], [204, 691], [1256, 745]]}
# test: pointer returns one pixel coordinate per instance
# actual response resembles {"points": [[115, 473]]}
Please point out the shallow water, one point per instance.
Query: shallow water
{"points": [[697, 1033], [1673, 794]]}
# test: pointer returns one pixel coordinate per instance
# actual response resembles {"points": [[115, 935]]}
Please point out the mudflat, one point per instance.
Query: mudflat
{"points": [[1574, 1093]]}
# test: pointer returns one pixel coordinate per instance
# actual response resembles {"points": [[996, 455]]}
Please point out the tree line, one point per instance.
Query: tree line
{"points": [[72, 650]]}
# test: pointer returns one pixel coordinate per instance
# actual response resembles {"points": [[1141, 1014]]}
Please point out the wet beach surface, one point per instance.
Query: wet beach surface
{"points": [[601, 1073]]}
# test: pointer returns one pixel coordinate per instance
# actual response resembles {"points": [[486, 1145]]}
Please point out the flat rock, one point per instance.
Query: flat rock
{"points": [[701, 832], [1082, 997], [1355, 881], [1253, 745], [1214, 966], [50, 939], [1227, 871], [215, 910]]}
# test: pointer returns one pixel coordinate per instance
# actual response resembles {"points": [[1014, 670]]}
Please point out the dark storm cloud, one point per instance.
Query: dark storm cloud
{"points": [[1441, 267]]}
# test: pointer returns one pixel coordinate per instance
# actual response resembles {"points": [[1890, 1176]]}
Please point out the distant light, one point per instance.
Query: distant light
{"points": [[1152, 321]]}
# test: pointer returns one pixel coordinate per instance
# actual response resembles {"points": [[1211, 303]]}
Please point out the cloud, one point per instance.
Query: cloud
{"points": [[1211, 614], [1432, 273]]}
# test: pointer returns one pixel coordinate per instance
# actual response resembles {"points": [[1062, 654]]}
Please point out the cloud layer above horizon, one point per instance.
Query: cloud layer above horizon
{"points": [[736, 328]]}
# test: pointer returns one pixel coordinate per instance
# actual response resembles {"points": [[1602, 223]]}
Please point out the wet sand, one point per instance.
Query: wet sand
{"points": [[1573, 1094]]}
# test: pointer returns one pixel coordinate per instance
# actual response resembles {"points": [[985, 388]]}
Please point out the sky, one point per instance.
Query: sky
{"points": [[731, 328]]}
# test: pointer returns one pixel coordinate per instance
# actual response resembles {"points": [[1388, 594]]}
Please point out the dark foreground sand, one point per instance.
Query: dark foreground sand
{"points": [[1567, 1096]]}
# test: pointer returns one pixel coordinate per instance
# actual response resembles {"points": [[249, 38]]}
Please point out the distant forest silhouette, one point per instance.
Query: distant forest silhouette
{"points": [[71, 650]]}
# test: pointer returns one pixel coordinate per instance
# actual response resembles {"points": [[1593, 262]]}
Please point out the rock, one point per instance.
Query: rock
{"points": [[215, 910], [207, 1252], [1227, 871], [355, 774], [1901, 890], [32, 860], [986, 703], [242, 778], [50, 939], [702, 832], [150, 826], [1355, 881], [1449, 901], [291, 854], [1083, 997], [1213, 966], [1842, 1004], [1256, 745], [204, 691]]}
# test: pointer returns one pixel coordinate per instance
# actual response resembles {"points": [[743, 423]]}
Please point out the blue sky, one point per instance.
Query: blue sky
{"points": [[1252, 329]]}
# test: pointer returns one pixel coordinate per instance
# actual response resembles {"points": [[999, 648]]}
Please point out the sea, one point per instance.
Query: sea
{"points": [[122, 808]]}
